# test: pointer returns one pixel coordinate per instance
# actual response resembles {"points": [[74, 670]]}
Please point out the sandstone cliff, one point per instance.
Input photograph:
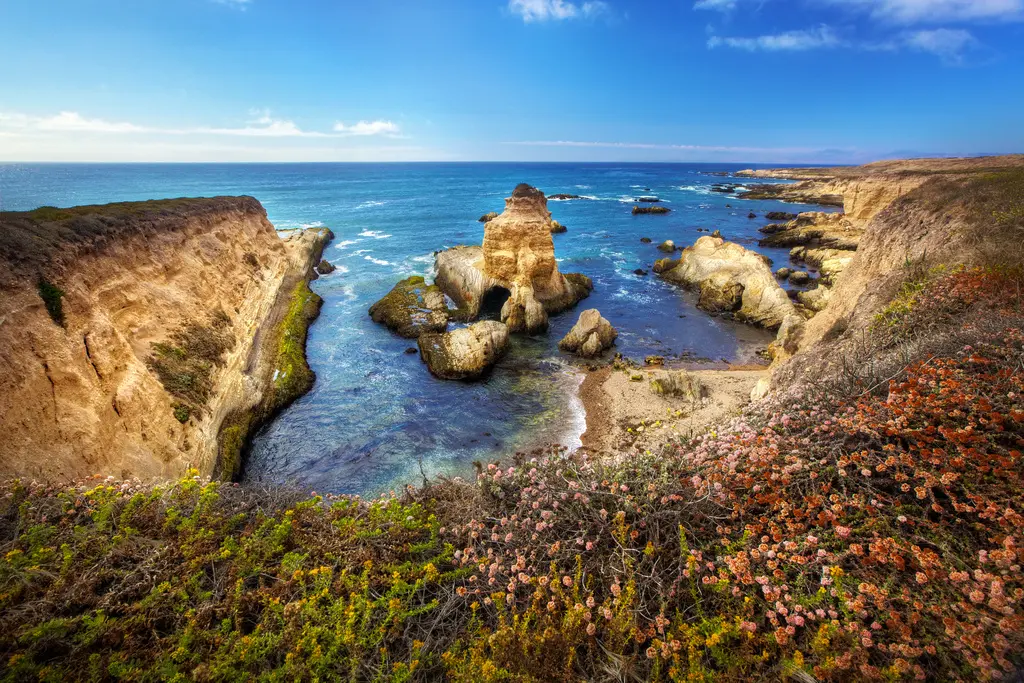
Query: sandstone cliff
{"points": [[128, 332]]}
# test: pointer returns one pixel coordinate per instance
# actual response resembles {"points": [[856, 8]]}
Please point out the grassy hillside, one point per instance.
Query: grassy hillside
{"points": [[870, 534]]}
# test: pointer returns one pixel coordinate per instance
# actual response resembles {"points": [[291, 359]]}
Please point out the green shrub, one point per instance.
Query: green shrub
{"points": [[52, 297]]}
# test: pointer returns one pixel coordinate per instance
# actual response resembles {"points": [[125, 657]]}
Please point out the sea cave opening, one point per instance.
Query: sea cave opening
{"points": [[492, 303]]}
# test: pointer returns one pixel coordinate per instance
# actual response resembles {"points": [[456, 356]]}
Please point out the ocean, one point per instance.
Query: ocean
{"points": [[376, 419]]}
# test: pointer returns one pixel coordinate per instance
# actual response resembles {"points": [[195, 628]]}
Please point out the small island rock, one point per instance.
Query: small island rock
{"points": [[590, 336], [467, 353], [412, 308], [668, 246], [325, 267]]}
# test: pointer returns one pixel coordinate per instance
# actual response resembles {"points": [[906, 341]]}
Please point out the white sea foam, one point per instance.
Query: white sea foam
{"points": [[367, 205], [379, 262], [360, 252], [374, 234], [345, 244], [341, 269], [583, 187]]}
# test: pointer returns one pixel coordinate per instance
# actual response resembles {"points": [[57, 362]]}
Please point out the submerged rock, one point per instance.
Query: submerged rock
{"points": [[679, 384], [645, 240], [467, 353], [640, 271], [514, 269], [561, 196], [719, 266], [590, 336], [412, 308]]}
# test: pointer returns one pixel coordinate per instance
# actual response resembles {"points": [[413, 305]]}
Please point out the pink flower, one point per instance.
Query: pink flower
{"points": [[843, 531]]}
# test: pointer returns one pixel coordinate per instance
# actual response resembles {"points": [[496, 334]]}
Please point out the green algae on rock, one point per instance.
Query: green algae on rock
{"points": [[412, 308]]}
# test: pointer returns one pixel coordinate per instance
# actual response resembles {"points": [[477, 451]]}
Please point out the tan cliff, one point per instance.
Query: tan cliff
{"points": [[151, 338]]}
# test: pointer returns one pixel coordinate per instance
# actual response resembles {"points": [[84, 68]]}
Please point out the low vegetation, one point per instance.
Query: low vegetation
{"points": [[186, 363], [871, 537], [53, 299]]}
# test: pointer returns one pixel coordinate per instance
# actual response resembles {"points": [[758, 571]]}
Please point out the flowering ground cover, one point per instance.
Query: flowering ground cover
{"points": [[873, 535]]}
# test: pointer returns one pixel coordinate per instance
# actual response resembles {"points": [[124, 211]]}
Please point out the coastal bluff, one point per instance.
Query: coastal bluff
{"points": [[131, 332]]}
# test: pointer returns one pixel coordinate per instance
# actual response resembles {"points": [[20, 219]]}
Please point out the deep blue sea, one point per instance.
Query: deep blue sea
{"points": [[375, 416]]}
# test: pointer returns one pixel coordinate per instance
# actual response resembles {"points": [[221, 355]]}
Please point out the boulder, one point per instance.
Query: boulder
{"points": [[751, 215], [488, 217], [557, 227], [716, 233], [799, 278], [783, 273], [815, 299], [640, 271], [467, 353], [719, 265], [412, 308], [640, 210], [668, 246], [787, 340], [590, 336], [645, 240], [679, 384], [761, 389], [325, 267], [779, 216], [516, 261], [647, 200]]}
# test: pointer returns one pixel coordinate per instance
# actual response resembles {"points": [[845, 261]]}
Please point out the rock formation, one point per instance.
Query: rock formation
{"points": [[590, 336], [557, 228], [412, 308], [668, 246], [516, 265], [639, 210], [171, 312], [466, 353], [325, 267], [488, 217], [722, 270]]}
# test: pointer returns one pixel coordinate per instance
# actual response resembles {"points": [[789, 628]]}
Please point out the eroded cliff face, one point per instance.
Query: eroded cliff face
{"points": [[185, 281]]}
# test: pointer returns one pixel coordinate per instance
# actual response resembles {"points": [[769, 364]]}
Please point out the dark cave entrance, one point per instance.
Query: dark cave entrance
{"points": [[494, 299]]}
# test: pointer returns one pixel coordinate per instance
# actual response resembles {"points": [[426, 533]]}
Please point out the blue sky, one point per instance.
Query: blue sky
{"points": [[381, 80]]}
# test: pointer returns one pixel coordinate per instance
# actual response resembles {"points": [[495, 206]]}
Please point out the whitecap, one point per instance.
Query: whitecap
{"points": [[341, 269], [367, 205], [344, 244], [379, 262], [583, 187], [360, 252], [374, 234]]}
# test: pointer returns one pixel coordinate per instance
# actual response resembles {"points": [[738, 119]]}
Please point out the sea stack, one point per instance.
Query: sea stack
{"points": [[515, 268]]}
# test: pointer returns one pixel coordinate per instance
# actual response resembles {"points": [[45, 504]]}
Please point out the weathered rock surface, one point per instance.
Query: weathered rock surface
{"points": [[800, 277], [668, 246], [718, 266], [412, 308], [517, 262], [488, 217], [467, 353], [557, 228], [590, 336], [814, 229], [679, 384], [815, 299], [325, 267]]}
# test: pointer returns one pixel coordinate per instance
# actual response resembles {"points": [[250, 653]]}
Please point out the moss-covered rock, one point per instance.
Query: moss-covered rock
{"points": [[412, 308], [467, 353], [639, 210]]}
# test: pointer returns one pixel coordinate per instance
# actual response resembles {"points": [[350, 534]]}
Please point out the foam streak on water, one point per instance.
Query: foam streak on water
{"points": [[375, 414]]}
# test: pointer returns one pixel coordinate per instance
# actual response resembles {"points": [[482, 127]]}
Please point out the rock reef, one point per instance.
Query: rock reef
{"points": [[412, 308]]}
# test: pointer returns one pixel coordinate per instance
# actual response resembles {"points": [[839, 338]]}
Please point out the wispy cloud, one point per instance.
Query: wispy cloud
{"points": [[368, 128], [790, 41], [544, 10], [937, 11], [263, 125], [661, 146], [237, 4], [950, 45], [719, 5]]}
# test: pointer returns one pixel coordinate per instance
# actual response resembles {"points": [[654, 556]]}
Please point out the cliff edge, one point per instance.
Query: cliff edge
{"points": [[130, 331]]}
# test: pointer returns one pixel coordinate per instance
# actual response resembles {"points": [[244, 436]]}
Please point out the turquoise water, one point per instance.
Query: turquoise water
{"points": [[376, 417]]}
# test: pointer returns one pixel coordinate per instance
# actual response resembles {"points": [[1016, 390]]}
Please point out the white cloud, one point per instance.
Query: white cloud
{"points": [[543, 10], [237, 4], [790, 41], [368, 128], [263, 125], [719, 5], [949, 44], [938, 11]]}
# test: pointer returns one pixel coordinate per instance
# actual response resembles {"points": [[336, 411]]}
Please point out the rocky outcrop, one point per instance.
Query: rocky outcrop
{"points": [[325, 267], [590, 336], [815, 229], [668, 246], [641, 210], [557, 228], [721, 270], [167, 308], [516, 263], [412, 308], [679, 384], [488, 217], [464, 354]]}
